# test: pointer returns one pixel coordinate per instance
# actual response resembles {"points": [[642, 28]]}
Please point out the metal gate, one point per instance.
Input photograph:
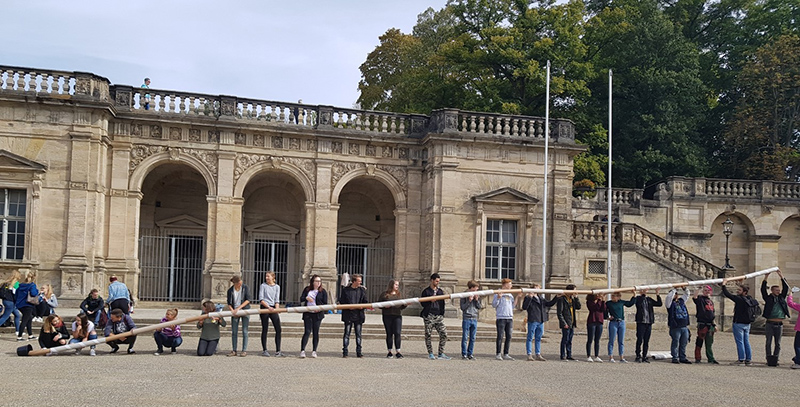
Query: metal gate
{"points": [[262, 255], [376, 264], [171, 266]]}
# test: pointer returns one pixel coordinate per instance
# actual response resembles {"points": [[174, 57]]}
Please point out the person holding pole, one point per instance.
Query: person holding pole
{"points": [[504, 305], [169, 336], [775, 311], [566, 306], [209, 331], [393, 319], [741, 320], [644, 323], [269, 297], [119, 323], [312, 295], [594, 325], [433, 316], [616, 325], [705, 324], [470, 307], [353, 318], [678, 321], [537, 308], [238, 299]]}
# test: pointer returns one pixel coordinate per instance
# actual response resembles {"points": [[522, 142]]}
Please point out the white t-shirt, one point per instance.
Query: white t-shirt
{"points": [[76, 326], [237, 297]]}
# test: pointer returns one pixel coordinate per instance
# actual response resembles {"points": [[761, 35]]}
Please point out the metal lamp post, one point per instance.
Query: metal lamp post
{"points": [[727, 229]]}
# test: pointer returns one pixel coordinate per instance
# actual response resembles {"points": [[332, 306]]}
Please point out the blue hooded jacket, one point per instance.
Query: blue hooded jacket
{"points": [[22, 294]]}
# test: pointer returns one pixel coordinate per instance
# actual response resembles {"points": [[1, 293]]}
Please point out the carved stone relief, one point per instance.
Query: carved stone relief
{"points": [[258, 140], [140, 152], [174, 133], [155, 131], [213, 136], [240, 139], [312, 145], [294, 144], [339, 169], [277, 142], [336, 147], [194, 135], [370, 151], [353, 149]]}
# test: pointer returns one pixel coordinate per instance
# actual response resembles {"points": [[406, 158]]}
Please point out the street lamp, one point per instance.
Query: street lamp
{"points": [[727, 229]]}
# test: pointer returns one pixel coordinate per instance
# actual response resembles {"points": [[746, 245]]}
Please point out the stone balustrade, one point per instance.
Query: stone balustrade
{"points": [[150, 101], [642, 239], [727, 189], [621, 196]]}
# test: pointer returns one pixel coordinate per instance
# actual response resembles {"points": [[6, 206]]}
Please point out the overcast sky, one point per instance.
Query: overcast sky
{"points": [[273, 50]]}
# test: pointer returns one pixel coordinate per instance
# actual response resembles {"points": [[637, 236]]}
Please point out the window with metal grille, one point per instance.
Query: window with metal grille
{"points": [[501, 249], [13, 216], [596, 268]]}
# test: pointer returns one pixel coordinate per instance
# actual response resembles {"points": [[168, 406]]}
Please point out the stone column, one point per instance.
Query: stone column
{"points": [[324, 220], [224, 231]]}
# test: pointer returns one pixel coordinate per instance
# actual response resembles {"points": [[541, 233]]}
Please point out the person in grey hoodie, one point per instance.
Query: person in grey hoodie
{"points": [[504, 304], [470, 306]]}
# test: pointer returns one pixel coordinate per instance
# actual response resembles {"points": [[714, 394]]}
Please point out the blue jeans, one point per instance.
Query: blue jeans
{"points": [[680, 337], [616, 330], [235, 331], [535, 332], [741, 334], [566, 342], [8, 309], [162, 340], [469, 327], [91, 338]]}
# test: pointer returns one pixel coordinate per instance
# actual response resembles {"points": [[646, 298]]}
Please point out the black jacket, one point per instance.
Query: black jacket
{"points": [[770, 300], [740, 306], [705, 309], [91, 305], [644, 309], [565, 317], [432, 307], [538, 308], [350, 295], [50, 340], [246, 296], [322, 299]]}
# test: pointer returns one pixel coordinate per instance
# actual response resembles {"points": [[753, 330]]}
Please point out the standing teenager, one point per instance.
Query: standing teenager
{"points": [[644, 323], [616, 325], [678, 321], [392, 319], [433, 316], [775, 311], [594, 325], [26, 290], [353, 319], [566, 306], [504, 305], [537, 308], [313, 295], [704, 307], [470, 307], [743, 302], [269, 297], [7, 292], [239, 299]]}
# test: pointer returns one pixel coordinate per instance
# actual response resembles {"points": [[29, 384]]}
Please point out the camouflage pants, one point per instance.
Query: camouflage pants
{"points": [[435, 322]]}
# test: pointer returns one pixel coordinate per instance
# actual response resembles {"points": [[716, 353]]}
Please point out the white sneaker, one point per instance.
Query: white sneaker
{"points": [[795, 366], [612, 360], [499, 357], [598, 360], [92, 353], [156, 354], [313, 354], [507, 357], [589, 359], [302, 354]]}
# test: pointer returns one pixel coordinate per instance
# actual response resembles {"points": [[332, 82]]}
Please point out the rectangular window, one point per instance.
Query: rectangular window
{"points": [[501, 249], [13, 216], [596, 268]]}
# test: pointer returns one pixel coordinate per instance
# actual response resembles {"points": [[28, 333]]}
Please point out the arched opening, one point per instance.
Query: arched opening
{"points": [[366, 233], [172, 234], [788, 245], [273, 229], [738, 244]]}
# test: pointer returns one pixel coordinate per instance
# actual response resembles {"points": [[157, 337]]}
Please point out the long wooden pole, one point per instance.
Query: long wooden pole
{"points": [[384, 304]]}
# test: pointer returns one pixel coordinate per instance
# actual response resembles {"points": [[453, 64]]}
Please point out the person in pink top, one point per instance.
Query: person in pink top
{"points": [[795, 306]]}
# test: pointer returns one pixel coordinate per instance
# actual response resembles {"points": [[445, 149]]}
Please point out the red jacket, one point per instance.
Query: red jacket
{"points": [[597, 312]]}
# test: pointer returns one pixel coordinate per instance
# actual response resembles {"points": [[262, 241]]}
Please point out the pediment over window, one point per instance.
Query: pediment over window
{"points": [[356, 232], [182, 222], [15, 163], [506, 196], [271, 227]]}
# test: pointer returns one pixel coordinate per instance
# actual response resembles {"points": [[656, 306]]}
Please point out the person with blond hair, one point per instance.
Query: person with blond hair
{"points": [[504, 305], [169, 336], [269, 297], [53, 333], [27, 296], [7, 293], [47, 304]]}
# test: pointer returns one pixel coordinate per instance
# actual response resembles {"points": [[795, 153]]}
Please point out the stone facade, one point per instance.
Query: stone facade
{"points": [[176, 198]]}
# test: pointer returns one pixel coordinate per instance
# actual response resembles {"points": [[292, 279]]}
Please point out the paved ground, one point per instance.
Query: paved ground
{"points": [[187, 380]]}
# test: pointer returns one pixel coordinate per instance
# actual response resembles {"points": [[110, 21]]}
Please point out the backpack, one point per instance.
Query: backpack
{"points": [[753, 309], [6, 293]]}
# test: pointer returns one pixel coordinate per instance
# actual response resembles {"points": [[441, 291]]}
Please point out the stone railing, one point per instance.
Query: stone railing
{"points": [[621, 196], [144, 101], [729, 189], [641, 239]]}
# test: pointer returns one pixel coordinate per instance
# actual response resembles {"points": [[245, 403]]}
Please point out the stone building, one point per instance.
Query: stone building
{"points": [[175, 192]]}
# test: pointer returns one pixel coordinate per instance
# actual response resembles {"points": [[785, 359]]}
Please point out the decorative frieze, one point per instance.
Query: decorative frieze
{"points": [[240, 139], [245, 161], [339, 169], [194, 134], [140, 152]]}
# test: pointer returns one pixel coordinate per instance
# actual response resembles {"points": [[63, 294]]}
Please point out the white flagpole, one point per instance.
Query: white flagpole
{"points": [[546, 157], [608, 196]]}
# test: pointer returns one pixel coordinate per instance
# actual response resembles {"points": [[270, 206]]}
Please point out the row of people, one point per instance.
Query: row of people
{"points": [[37, 302]]}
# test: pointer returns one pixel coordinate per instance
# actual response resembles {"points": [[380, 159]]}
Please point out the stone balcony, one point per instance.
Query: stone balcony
{"points": [[168, 105]]}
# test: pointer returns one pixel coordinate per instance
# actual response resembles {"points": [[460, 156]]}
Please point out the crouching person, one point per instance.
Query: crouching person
{"points": [[169, 336], [209, 331], [119, 323]]}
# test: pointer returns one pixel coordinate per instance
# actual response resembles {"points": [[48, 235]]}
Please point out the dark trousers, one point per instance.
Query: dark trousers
{"points": [[348, 327], [129, 340], [593, 333], [797, 347], [42, 309], [705, 333], [566, 342], [162, 340], [122, 304], [504, 327], [643, 332], [276, 323], [393, 325], [773, 330], [25, 321], [206, 347], [310, 326]]}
